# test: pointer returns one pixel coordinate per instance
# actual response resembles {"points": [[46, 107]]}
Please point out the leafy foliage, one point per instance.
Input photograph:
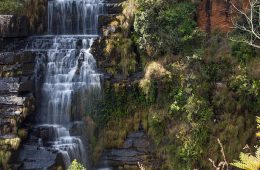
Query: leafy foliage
{"points": [[191, 92], [76, 166], [164, 25], [247, 161], [242, 51], [11, 6]]}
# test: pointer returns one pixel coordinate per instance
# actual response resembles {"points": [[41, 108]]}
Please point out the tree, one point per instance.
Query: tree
{"points": [[246, 23], [165, 26]]}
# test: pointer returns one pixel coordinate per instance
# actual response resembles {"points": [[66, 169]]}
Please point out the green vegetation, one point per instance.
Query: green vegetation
{"points": [[164, 26], [195, 87], [76, 166], [35, 10], [11, 6], [7, 146], [248, 161]]}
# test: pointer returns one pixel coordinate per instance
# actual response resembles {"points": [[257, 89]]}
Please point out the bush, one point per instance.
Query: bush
{"points": [[76, 166], [11, 6], [165, 26], [242, 52]]}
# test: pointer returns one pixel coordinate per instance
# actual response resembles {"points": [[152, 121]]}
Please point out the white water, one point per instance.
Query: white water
{"points": [[70, 79], [74, 17]]}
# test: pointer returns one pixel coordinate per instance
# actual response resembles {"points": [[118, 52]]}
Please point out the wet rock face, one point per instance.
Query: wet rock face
{"points": [[14, 26], [136, 148], [17, 64], [16, 98]]}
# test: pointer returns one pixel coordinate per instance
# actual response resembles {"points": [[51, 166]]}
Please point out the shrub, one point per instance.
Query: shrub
{"points": [[242, 52], [248, 161], [165, 26], [11, 6], [76, 166]]}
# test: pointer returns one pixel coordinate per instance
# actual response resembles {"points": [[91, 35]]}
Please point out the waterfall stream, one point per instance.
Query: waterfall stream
{"points": [[69, 83], [74, 17]]}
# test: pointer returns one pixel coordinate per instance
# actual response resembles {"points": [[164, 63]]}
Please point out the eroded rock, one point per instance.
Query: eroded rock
{"points": [[14, 26], [136, 148]]}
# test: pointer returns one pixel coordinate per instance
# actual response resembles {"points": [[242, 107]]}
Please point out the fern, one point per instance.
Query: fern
{"points": [[247, 161]]}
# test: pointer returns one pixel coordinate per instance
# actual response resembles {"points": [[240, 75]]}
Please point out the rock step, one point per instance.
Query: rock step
{"points": [[16, 71], [9, 108], [113, 8], [35, 157], [12, 111], [7, 136], [113, 1], [11, 58], [14, 85], [9, 99], [136, 148], [8, 124]]}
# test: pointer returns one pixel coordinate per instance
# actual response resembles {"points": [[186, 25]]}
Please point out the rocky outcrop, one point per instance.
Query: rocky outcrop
{"points": [[14, 26], [16, 99], [112, 8], [216, 14], [37, 12], [137, 148]]}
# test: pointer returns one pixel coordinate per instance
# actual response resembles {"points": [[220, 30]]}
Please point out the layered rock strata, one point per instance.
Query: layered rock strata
{"points": [[16, 86]]}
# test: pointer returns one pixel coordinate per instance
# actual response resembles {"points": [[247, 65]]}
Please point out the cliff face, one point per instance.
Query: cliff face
{"points": [[37, 12], [16, 85], [13, 26], [216, 14]]}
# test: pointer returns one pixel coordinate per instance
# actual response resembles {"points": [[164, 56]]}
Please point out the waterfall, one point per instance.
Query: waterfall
{"points": [[74, 17], [70, 81]]}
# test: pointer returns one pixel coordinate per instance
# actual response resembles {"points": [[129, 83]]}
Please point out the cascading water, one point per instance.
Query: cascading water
{"points": [[69, 85], [73, 17]]}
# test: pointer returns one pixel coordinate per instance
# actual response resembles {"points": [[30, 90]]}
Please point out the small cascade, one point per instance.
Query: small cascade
{"points": [[74, 17], [69, 83]]}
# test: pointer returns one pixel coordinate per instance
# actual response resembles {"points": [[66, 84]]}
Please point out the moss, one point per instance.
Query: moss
{"points": [[112, 136], [119, 49], [22, 133], [6, 148], [4, 158], [12, 143]]}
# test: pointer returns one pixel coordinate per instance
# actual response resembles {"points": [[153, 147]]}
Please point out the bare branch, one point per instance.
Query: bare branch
{"points": [[223, 165], [249, 27]]}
